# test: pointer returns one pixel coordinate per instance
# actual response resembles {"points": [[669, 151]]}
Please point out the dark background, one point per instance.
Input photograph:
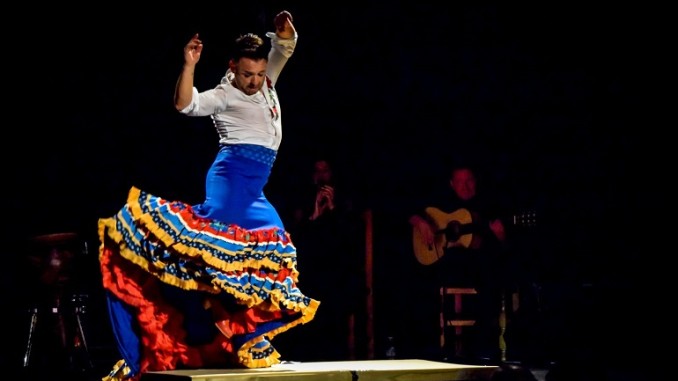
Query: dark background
{"points": [[542, 97]]}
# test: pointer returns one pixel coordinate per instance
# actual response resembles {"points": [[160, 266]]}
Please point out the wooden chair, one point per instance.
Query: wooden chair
{"points": [[455, 317]]}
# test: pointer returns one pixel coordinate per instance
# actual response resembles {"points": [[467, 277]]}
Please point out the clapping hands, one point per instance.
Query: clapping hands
{"points": [[324, 201]]}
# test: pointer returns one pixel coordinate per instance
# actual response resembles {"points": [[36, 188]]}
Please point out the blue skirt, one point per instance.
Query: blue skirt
{"points": [[208, 285]]}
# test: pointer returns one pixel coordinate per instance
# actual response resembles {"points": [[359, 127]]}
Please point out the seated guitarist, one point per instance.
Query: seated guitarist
{"points": [[458, 233]]}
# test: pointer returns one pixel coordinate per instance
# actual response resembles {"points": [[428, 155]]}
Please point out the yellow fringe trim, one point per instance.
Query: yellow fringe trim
{"points": [[120, 372]]}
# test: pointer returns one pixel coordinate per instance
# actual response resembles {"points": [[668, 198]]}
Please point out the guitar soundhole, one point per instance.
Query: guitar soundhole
{"points": [[453, 231]]}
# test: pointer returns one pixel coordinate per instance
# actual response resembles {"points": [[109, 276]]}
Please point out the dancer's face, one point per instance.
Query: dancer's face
{"points": [[250, 74]]}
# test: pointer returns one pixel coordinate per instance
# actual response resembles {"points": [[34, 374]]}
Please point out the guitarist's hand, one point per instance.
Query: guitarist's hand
{"points": [[497, 228]]}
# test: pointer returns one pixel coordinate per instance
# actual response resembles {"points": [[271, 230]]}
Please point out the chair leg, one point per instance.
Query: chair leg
{"points": [[31, 336]]}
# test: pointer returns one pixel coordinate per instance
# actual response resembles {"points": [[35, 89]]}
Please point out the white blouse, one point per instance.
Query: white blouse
{"points": [[247, 119]]}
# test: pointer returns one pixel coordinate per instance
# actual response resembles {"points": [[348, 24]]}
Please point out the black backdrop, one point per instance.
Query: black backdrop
{"points": [[542, 96]]}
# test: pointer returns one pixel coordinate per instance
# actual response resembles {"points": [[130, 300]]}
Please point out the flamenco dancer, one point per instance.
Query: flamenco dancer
{"points": [[210, 285]]}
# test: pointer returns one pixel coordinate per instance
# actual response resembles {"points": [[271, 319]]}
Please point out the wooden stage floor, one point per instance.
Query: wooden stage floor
{"points": [[364, 370]]}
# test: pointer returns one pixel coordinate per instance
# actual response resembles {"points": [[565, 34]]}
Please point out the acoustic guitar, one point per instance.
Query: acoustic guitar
{"points": [[456, 229]]}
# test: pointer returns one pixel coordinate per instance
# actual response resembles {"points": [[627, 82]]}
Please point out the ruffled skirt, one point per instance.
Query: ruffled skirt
{"points": [[186, 291]]}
